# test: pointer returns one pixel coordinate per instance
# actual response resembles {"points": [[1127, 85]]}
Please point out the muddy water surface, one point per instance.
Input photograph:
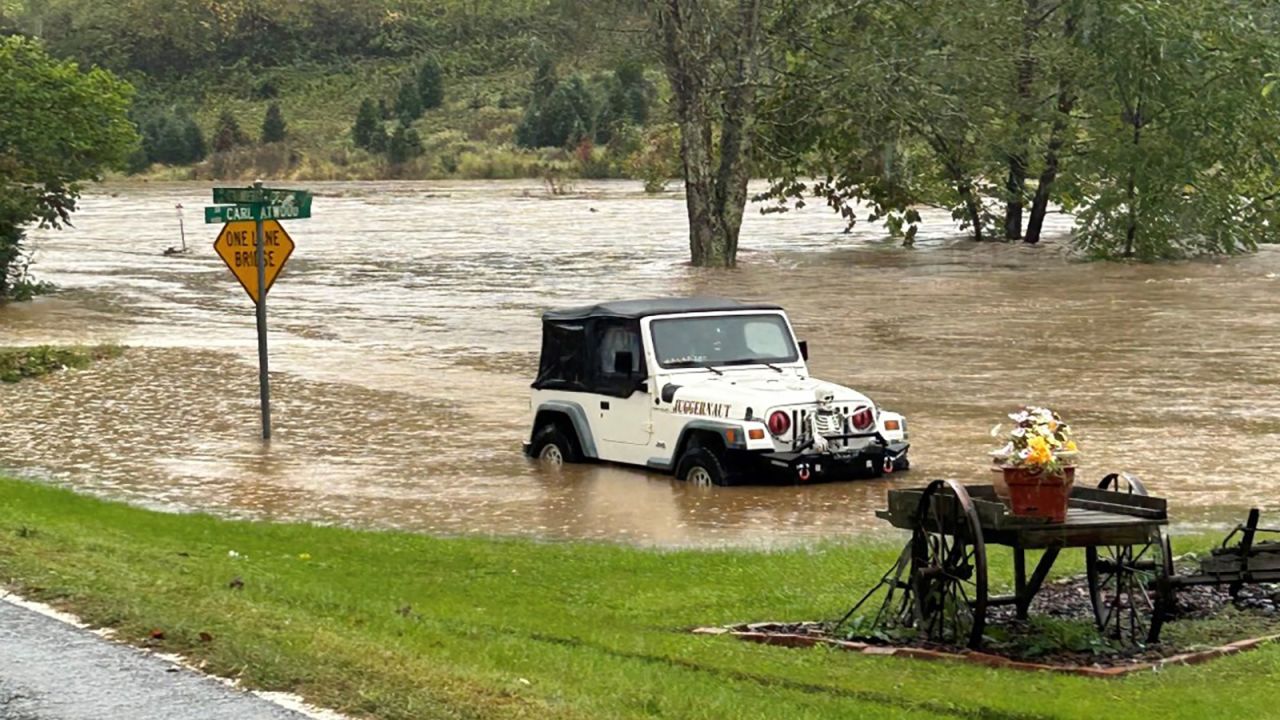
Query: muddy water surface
{"points": [[405, 332]]}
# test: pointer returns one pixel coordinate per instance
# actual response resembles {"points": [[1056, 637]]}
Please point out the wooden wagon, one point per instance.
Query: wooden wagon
{"points": [[939, 584]]}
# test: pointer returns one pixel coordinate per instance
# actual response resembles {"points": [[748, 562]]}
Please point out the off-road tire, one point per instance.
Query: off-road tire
{"points": [[703, 467], [551, 442]]}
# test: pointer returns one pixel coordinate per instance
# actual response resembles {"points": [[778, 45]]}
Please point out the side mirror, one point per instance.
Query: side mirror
{"points": [[622, 362], [804, 350]]}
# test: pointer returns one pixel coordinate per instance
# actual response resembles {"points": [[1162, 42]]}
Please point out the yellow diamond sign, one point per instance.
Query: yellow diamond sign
{"points": [[237, 246]]}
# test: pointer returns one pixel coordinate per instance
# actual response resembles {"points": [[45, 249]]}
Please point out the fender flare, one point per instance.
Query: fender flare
{"points": [[577, 416], [695, 426]]}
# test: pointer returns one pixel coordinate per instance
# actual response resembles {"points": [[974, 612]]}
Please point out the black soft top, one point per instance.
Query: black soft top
{"points": [[636, 309]]}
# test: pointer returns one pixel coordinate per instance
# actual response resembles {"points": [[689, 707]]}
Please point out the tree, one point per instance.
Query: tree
{"points": [[408, 103], [562, 119], [62, 126], [894, 106], [1182, 155], [404, 145], [195, 144], [273, 125], [431, 84], [627, 96], [368, 131], [227, 134], [711, 51]]}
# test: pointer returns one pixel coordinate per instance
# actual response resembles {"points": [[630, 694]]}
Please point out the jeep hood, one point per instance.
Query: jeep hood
{"points": [[760, 392]]}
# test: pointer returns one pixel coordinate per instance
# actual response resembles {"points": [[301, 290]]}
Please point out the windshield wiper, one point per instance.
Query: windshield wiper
{"points": [[752, 361], [695, 363]]}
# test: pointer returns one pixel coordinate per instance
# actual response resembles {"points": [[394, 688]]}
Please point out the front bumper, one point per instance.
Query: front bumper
{"points": [[869, 461]]}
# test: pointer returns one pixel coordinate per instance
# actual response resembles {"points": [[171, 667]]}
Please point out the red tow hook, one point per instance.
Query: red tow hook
{"points": [[888, 464], [803, 473]]}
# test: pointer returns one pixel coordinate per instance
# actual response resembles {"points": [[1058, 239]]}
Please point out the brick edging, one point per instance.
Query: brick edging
{"points": [[757, 633]]}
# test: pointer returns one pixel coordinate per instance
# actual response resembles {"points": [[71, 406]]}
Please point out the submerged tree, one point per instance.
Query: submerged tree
{"points": [[711, 50], [63, 126], [1148, 121], [1182, 150]]}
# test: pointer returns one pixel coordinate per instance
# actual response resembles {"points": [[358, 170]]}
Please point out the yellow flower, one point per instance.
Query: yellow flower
{"points": [[1071, 446], [1039, 451]]}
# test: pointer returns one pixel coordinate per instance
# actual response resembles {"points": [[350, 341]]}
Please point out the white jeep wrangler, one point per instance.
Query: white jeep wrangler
{"points": [[713, 390]]}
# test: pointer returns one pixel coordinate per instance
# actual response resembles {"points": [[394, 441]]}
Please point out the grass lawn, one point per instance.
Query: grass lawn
{"points": [[395, 625]]}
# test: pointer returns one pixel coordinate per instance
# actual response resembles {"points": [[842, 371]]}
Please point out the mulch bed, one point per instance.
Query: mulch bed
{"points": [[1208, 624]]}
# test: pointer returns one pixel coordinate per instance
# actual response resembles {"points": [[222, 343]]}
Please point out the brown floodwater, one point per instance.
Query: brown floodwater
{"points": [[405, 332]]}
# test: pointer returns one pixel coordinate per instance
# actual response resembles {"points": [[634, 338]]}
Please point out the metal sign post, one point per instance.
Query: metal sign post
{"points": [[264, 383], [262, 207]]}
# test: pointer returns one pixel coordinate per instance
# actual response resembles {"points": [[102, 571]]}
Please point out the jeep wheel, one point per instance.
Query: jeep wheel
{"points": [[551, 446], [702, 468]]}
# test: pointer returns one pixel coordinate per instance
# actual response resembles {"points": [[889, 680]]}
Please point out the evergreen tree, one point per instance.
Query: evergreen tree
{"points": [[368, 125], [273, 124], [170, 144], [404, 144], [431, 84], [544, 81], [195, 144], [228, 134], [568, 115], [562, 119], [408, 103]]}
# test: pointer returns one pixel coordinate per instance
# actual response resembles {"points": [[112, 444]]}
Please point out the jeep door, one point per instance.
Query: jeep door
{"points": [[621, 414]]}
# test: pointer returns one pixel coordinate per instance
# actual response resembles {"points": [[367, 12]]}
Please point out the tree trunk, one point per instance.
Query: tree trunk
{"points": [[1131, 232], [1057, 140], [972, 209], [715, 178], [1016, 183]]}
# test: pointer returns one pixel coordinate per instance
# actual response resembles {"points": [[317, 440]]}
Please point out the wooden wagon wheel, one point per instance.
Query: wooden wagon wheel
{"points": [[1129, 585], [949, 566]]}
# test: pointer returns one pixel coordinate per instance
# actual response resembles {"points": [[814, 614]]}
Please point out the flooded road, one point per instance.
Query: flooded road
{"points": [[405, 334]]}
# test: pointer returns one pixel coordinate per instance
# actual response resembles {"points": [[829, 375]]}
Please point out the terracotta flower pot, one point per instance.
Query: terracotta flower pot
{"points": [[1033, 493]]}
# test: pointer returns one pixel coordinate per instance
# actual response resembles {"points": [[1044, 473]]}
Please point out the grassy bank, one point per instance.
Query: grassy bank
{"points": [[395, 625], [28, 362]]}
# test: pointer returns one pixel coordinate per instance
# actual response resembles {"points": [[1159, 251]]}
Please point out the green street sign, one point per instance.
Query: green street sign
{"points": [[270, 196], [220, 214], [233, 196]]}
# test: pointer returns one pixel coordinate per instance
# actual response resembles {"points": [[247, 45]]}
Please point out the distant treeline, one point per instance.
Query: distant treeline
{"points": [[175, 38]]}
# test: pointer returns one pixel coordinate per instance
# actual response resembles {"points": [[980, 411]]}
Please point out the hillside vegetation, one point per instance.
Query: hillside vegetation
{"points": [[208, 71]]}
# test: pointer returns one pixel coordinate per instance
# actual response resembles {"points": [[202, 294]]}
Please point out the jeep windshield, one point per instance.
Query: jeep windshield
{"points": [[690, 342]]}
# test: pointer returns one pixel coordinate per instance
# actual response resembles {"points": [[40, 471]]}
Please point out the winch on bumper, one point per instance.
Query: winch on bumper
{"points": [[868, 460]]}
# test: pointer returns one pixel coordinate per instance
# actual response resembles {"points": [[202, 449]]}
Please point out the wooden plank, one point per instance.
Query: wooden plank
{"points": [[1134, 510]]}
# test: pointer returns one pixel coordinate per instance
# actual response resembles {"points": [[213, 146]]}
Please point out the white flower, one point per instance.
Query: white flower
{"points": [[1018, 432], [1004, 452], [233, 554], [1019, 416], [1025, 453], [995, 431]]}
